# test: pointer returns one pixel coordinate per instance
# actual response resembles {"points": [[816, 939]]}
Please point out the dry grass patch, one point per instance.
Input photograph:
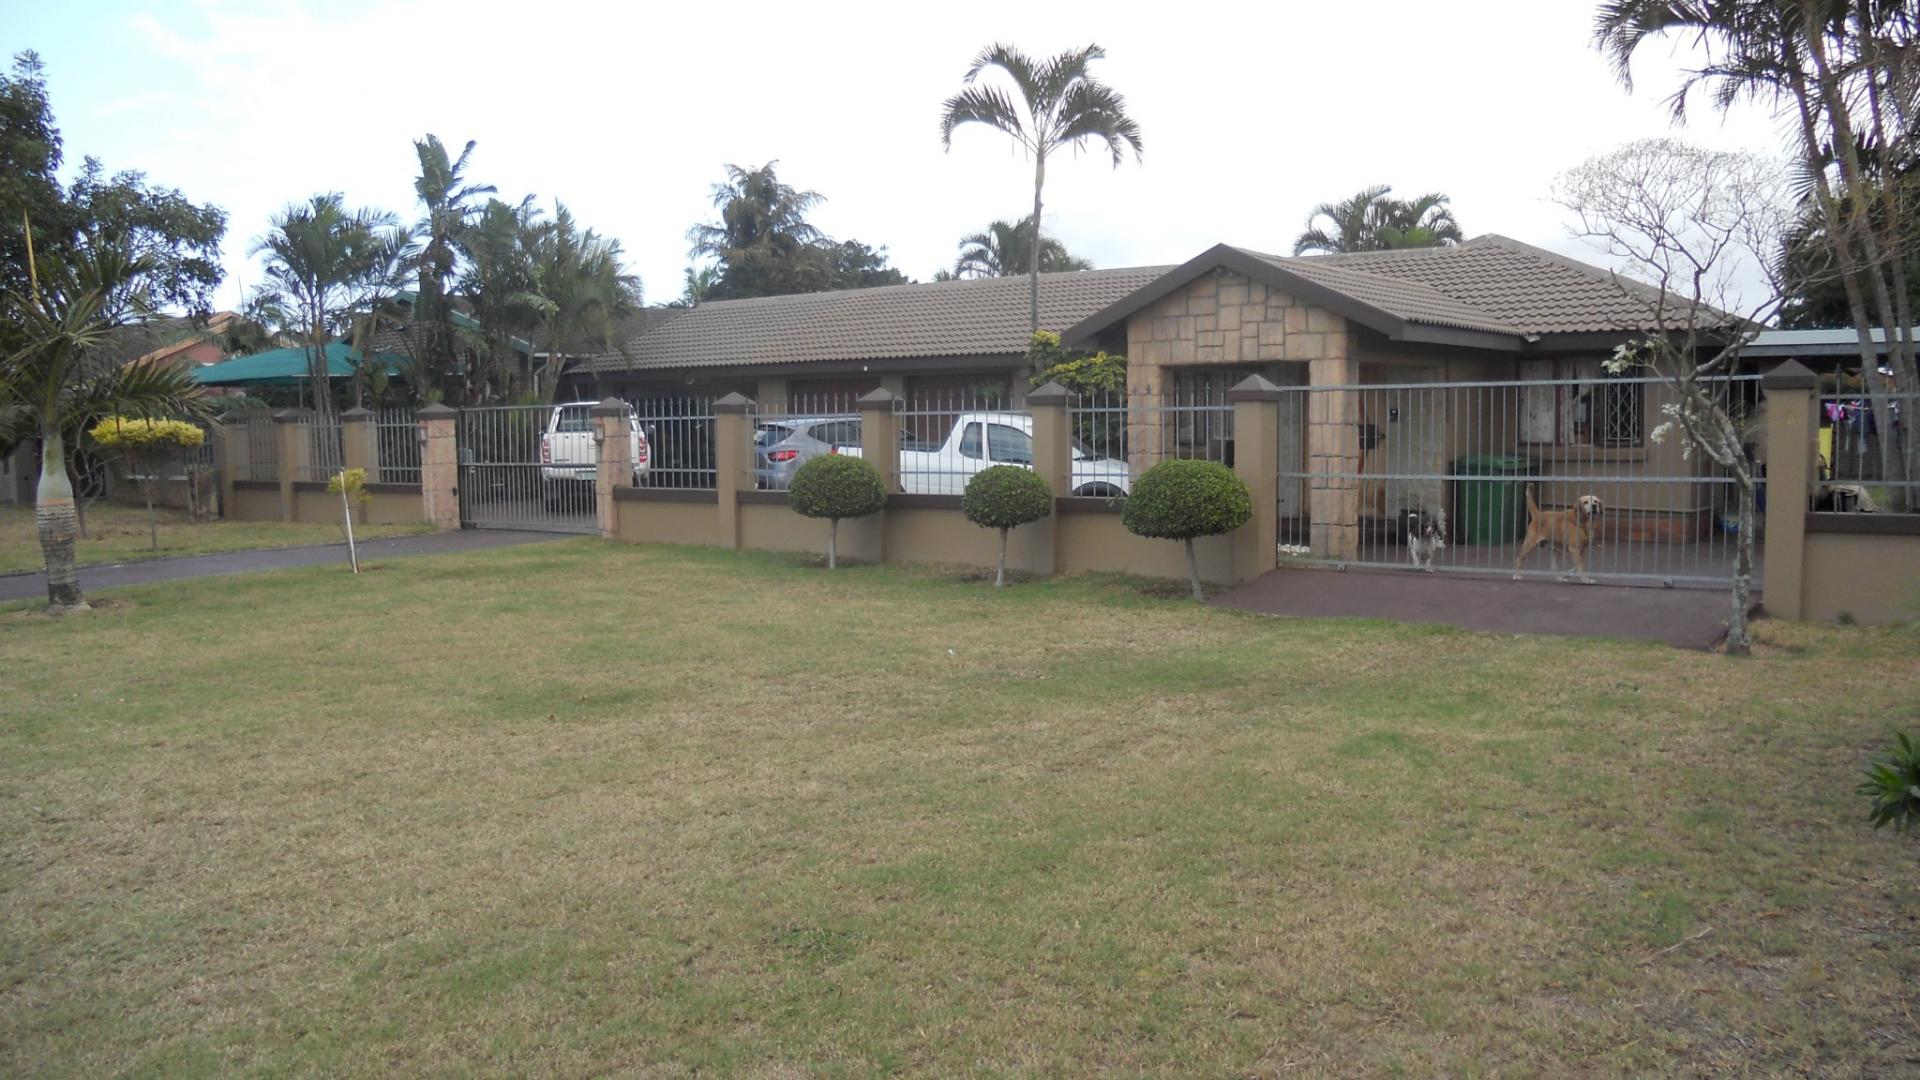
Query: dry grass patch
{"points": [[118, 533], [579, 808]]}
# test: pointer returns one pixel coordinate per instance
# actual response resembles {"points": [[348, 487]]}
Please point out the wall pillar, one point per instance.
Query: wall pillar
{"points": [[1052, 409], [226, 463], [439, 466], [613, 457], [732, 461], [880, 434], [360, 449], [1256, 461], [1790, 432], [1333, 452], [290, 438]]}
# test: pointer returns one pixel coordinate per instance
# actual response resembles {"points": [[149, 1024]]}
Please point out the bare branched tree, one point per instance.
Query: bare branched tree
{"points": [[1703, 227]]}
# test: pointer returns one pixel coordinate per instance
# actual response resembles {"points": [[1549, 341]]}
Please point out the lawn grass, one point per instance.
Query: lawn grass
{"points": [[580, 808], [117, 532]]}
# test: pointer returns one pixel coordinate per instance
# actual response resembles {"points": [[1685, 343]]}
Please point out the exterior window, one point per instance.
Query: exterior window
{"points": [[1579, 404], [574, 420], [838, 433], [1009, 444], [1201, 420], [970, 441]]}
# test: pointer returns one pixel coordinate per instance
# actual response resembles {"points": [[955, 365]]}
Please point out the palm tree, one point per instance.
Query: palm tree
{"points": [[56, 374], [1373, 220], [1001, 251], [698, 286], [450, 208], [584, 289], [501, 279], [763, 242], [320, 257], [390, 269], [1065, 106]]}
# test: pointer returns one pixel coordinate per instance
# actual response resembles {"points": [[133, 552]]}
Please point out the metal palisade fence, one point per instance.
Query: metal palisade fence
{"points": [[679, 433], [1582, 478], [255, 445], [397, 446], [325, 455], [787, 433], [946, 438], [1862, 440]]}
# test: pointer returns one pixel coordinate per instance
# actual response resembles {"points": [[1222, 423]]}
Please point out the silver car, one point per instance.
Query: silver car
{"points": [[783, 445]]}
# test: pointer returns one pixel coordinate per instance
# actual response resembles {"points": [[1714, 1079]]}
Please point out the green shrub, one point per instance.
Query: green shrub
{"points": [[1181, 500], [834, 486], [1894, 784], [1006, 497]]}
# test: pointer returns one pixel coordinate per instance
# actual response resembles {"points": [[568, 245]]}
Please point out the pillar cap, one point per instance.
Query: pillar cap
{"points": [[1256, 388], [436, 411], [881, 399], [1051, 396], [733, 403], [608, 406], [356, 415], [1790, 375]]}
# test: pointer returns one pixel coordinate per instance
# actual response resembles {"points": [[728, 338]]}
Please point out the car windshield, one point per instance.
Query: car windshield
{"points": [[1081, 452], [573, 420]]}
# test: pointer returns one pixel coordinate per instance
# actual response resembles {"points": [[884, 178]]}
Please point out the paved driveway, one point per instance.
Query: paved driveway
{"points": [[1688, 618], [34, 585]]}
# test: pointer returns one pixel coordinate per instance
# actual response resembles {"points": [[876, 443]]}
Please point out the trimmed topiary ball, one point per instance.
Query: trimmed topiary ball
{"points": [[1181, 500], [835, 486], [1006, 497]]}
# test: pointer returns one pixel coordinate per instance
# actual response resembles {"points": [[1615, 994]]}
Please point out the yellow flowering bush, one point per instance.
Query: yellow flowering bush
{"points": [[130, 435], [351, 481]]}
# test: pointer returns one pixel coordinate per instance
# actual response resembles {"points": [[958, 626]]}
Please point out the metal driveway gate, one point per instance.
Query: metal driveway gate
{"points": [[1364, 470], [508, 480]]}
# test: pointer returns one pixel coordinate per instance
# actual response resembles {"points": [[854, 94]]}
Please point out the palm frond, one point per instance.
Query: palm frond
{"points": [[987, 105]]}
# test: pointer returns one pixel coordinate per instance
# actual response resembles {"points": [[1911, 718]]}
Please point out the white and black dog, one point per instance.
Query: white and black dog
{"points": [[1426, 536]]}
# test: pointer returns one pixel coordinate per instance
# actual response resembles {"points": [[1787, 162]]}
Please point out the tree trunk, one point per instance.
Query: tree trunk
{"points": [[833, 531], [57, 522], [1739, 640], [1193, 572], [153, 518], [79, 504], [1000, 573], [1033, 255]]}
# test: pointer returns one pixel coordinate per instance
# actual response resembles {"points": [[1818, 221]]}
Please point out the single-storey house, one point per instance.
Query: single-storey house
{"points": [[1488, 311]]}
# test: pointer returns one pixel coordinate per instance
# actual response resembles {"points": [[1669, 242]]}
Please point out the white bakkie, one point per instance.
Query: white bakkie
{"points": [[983, 439], [567, 450]]}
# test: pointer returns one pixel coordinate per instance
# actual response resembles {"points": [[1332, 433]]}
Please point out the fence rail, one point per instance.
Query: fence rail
{"points": [[1141, 430], [325, 451], [1862, 442], [1437, 476], [397, 446], [256, 445], [679, 434]]}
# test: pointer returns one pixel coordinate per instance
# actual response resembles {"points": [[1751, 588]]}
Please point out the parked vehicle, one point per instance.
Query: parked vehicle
{"points": [[980, 440], [569, 458], [782, 446]]}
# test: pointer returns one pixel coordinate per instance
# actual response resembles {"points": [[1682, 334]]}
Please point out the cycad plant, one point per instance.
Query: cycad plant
{"points": [[1062, 105], [1893, 782]]}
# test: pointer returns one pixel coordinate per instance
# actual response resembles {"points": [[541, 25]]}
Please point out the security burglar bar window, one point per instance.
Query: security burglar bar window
{"points": [[1579, 404]]}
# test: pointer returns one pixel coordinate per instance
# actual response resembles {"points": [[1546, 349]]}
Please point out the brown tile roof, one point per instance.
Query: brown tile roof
{"points": [[1529, 289], [983, 316], [1412, 300]]}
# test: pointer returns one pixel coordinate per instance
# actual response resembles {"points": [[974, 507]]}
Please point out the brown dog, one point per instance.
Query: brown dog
{"points": [[1569, 529]]}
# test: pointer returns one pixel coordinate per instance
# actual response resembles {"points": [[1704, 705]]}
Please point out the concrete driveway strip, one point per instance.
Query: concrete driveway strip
{"points": [[34, 585]]}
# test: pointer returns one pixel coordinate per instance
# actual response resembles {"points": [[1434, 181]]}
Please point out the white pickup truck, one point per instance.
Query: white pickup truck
{"points": [[568, 454], [980, 440]]}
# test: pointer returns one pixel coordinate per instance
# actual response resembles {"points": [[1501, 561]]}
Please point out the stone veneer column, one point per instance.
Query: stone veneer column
{"points": [[360, 449], [439, 466], [613, 458], [1333, 451], [880, 434], [1052, 409], [1790, 470], [732, 461]]}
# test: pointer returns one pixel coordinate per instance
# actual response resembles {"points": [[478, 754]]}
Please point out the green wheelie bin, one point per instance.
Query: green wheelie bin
{"points": [[1489, 500]]}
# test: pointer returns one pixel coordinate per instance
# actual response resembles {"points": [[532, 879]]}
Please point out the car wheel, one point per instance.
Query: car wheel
{"points": [[1098, 491]]}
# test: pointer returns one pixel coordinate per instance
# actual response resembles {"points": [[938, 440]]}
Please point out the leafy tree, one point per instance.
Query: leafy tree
{"points": [[763, 244], [1065, 106], [501, 281], [698, 286], [322, 261], [1181, 499], [180, 238], [149, 446], [833, 487], [1373, 220], [1001, 251], [1005, 497], [449, 205], [57, 372], [584, 290], [1844, 75]]}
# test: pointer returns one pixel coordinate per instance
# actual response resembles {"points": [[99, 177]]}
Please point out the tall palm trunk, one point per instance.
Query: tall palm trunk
{"points": [[58, 523], [1033, 252]]}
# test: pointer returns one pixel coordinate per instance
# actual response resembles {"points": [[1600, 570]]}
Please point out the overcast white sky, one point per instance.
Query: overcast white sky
{"points": [[1251, 114]]}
